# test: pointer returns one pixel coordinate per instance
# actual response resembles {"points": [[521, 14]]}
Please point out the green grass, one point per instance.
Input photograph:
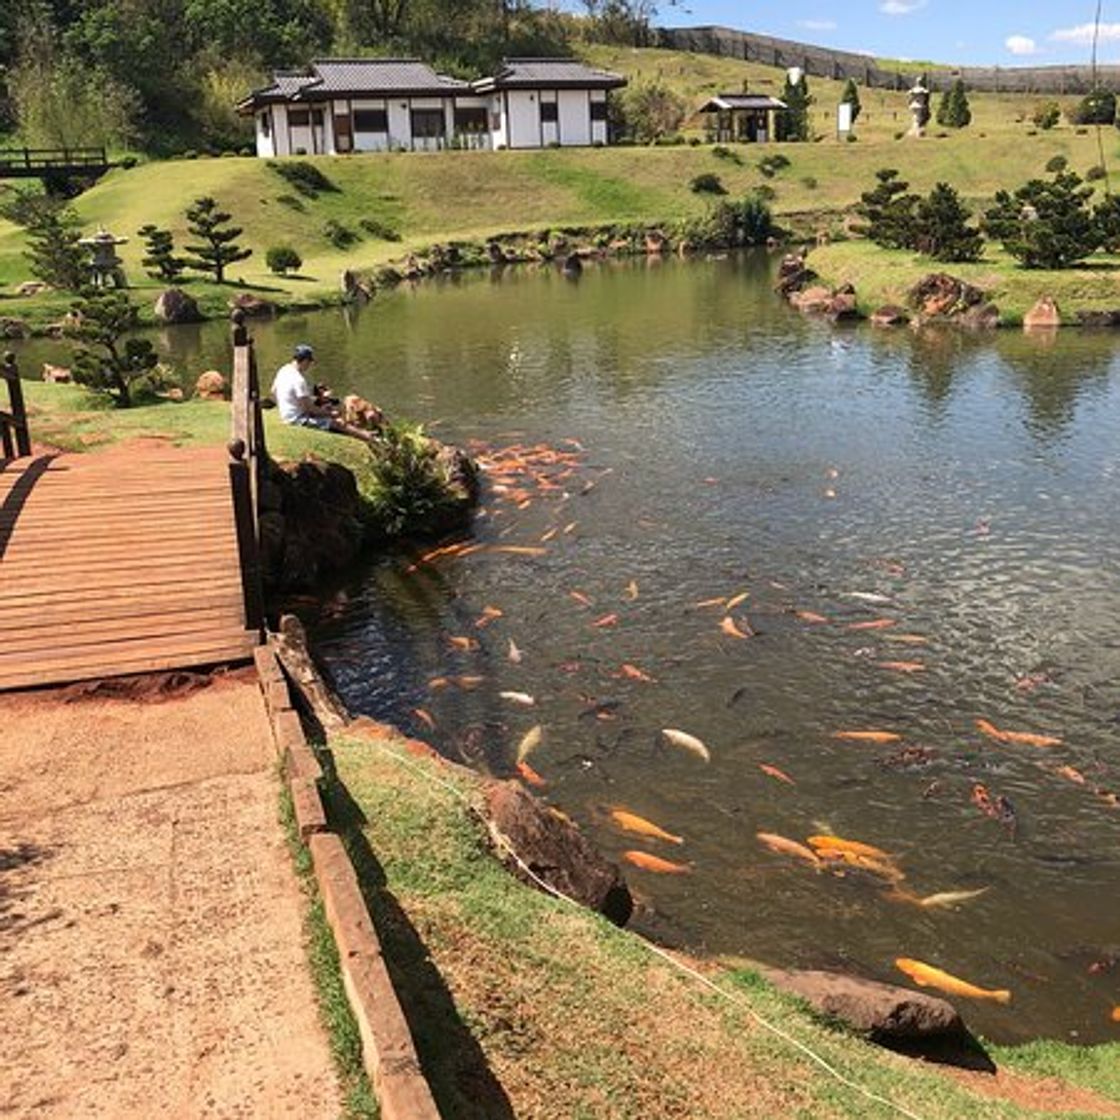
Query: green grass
{"points": [[572, 1017], [344, 1037], [882, 276]]}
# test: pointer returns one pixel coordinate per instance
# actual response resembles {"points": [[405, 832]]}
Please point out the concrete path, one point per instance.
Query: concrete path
{"points": [[151, 950]]}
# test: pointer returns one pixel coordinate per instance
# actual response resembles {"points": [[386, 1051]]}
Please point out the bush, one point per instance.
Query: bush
{"points": [[1096, 107], [736, 224], [1046, 224], [771, 165], [888, 211], [376, 228], [292, 202], [340, 236], [851, 138], [1056, 163], [304, 177], [941, 227], [707, 183], [283, 259], [646, 112], [766, 192], [1046, 115], [954, 110], [721, 151], [809, 183], [1094, 173]]}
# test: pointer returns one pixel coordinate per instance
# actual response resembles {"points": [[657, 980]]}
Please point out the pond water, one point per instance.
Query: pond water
{"points": [[681, 436]]}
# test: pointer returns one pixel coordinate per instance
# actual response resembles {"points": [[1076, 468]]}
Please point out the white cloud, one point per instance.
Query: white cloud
{"points": [[1083, 33], [1020, 44], [817, 24], [901, 7]]}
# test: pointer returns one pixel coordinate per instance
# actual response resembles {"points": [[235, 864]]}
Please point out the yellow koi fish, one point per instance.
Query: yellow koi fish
{"points": [[926, 976], [631, 591], [867, 736], [686, 742], [729, 627], [529, 742], [631, 822], [945, 899], [735, 600]]}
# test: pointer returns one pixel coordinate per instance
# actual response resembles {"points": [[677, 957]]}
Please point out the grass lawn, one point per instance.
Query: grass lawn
{"points": [[514, 994]]}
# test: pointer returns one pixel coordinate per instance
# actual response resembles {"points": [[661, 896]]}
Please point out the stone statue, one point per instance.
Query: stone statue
{"points": [[104, 264], [919, 109]]}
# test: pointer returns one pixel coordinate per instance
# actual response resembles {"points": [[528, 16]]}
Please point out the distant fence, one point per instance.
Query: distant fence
{"points": [[820, 62]]}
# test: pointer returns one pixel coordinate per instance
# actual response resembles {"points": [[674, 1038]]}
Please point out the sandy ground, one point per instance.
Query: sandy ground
{"points": [[151, 953]]}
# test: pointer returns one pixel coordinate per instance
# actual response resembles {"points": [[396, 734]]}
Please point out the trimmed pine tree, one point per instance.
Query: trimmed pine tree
{"points": [[218, 244]]}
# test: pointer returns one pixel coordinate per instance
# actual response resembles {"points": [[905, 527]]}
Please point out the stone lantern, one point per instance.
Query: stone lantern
{"points": [[919, 108], [104, 264]]}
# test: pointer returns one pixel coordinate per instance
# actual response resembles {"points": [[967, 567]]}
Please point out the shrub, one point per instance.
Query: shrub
{"points": [[105, 320], [292, 202], [707, 183], [888, 211], [128, 163], [1096, 107], [646, 112], [304, 177], [1046, 224], [376, 228], [1056, 163], [766, 192], [941, 227], [851, 138], [954, 110], [771, 165], [283, 259], [1046, 115], [340, 236], [809, 183], [899, 135], [694, 141], [721, 151], [1094, 173], [735, 224]]}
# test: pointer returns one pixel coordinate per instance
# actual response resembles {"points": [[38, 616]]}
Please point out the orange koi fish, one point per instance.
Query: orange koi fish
{"points": [[886, 871], [735, 600], [1115, 1016], [488, 615], [809, 616], [902, 666], [908, 639], [873, 624], [631, 822], [774, 772], [1026, 737], [821, 844], [465, 645], [633, 673], [467, 684], [867, 736], [1069, 773], [926, 976], [786, 847], [425, 718], [606, 620], [436, 683], [580, 598], [530, 776], [519, 550], [631, 591], [729, 627], [655, 863]]}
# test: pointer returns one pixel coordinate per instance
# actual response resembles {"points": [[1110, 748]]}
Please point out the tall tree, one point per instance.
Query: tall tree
{"points": [[161, 262], [795, 120], [850, 96], [217, 246], [953, 111], [53, 252]]}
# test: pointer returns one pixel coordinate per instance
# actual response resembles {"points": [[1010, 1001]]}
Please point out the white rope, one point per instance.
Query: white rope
{"points": [[733, 998]]}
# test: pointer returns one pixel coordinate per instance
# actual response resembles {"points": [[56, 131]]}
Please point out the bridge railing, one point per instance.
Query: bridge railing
{"points": [[15, 435], [38, 159], [247, 468]]}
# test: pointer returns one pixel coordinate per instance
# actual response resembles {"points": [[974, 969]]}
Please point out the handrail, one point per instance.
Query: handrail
{"points": [[247, 468], [13, 423], [64, 155]]}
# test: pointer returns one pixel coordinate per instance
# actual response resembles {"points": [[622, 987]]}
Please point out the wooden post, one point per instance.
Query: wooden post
{"points": [[17, 407], [245, 521]]}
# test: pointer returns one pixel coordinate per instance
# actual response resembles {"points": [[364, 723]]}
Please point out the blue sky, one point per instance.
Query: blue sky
{"points": [[984, 32]]}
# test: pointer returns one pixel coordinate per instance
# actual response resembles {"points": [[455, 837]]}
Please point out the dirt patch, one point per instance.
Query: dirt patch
{"points": [[1049, 1094], [151, 955], [147, 688]]}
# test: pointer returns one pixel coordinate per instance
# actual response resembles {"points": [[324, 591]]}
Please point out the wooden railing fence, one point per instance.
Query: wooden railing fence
{"points": [[247, 468], [15, 436], [37, 161]]}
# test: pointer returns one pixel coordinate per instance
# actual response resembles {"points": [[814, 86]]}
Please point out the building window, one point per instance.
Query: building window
{"points": [[470, 120], [265, 125], [598, 110], [550, 112], [317, 117], [427, 124], [299, 118], [371, 120]]}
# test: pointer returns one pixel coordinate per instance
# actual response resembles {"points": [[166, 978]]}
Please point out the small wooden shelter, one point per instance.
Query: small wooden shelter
{"points": [[742, 117]]}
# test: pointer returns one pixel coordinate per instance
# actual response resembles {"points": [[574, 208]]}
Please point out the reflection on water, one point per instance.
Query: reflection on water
{"points": [[962, 487]]}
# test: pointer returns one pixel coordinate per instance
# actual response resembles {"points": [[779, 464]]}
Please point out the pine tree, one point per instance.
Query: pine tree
{"points": [[53, 253], [161, 262], [794, 122], [889, 211], [103, 319], [942, 229], [953, 111], [218, 248], [1046, 224], [850, 96]]}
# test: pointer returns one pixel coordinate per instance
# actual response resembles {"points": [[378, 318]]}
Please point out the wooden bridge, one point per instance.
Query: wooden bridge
{"points": [[47, 163], [136, 559]]}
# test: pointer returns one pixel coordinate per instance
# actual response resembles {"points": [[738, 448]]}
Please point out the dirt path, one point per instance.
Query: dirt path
{"points": [[151, 954]]}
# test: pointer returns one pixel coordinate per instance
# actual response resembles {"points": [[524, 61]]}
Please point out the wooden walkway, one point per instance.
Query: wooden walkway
{"points": [[117, 562]]}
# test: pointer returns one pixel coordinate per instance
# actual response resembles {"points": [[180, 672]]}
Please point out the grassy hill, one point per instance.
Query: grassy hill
{"points": [[471, 195]]}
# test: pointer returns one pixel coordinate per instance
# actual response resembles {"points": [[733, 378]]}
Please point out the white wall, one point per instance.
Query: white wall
{"points": [[265, 144], [575, 117], [499, 136], [524, 124], [280, 130], [400, 123]]}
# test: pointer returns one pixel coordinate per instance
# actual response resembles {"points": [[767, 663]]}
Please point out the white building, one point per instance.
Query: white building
{"points": [[375, 104]]}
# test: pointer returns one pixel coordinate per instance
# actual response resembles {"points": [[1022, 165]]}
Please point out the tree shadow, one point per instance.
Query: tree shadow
{"points": [[20, 855], [454, 1063]]}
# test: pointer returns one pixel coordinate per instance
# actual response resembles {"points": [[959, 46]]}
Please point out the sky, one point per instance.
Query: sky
{"points": [[984, 33]]}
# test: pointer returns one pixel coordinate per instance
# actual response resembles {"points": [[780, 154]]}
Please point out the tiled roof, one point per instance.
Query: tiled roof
{"points": [[742, 101], [382, 75], [533, 73]]}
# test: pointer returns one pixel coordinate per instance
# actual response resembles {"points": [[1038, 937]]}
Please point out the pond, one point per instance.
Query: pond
{"points": [[917, 534]]}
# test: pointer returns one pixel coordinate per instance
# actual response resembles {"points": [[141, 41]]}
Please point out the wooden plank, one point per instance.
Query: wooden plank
{"points": [[98, 556], [126, 592], [156, 601], [45, 538], [185, 574]]}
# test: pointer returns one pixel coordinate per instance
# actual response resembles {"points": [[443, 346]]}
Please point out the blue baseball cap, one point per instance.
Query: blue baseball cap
{"points": [[302, 352]]}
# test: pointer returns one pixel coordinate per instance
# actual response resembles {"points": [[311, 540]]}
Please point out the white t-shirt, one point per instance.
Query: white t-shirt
{"points": [[287, 388]]}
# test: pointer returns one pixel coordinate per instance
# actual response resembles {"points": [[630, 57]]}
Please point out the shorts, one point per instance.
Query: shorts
{"points": [[323, 423]]}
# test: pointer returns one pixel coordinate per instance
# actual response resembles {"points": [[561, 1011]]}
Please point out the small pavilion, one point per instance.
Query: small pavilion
{"points": [[744, 117]]}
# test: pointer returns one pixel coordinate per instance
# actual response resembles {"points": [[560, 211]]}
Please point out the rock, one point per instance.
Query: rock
{"points": [[31, 288], [57, 375], [619, 246], [495, 252], [13, 328], [253, 306], [210, 386], [842, 307], [1043, 316], [882, 1012], [940, 295], [890, 315], [656, 243], [1098, 318], [793, 275], [65, 325], [175, 306], [814, 299], [555, 849], [982, 317], [174, 394], [573, 266]]}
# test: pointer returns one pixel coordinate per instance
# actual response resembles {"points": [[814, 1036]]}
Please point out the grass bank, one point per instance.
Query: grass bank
{"points": [[524, 1006], [882, 276]]}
